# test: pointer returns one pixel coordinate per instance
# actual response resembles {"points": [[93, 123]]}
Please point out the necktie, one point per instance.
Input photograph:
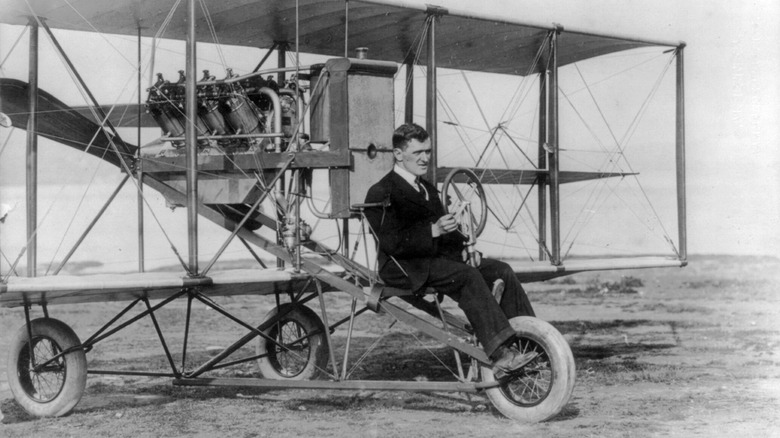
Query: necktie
{"points": [[421, 188]]}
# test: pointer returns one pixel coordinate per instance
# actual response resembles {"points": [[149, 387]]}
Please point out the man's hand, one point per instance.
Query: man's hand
{"points": [[445, 224]]}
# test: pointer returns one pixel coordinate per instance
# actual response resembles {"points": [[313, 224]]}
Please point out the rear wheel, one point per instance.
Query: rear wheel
{"points": [[541, 389], [299, 350], [50, 388]]}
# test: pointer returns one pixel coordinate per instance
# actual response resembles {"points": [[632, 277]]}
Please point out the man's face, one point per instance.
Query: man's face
{"points": [[415, 157]]}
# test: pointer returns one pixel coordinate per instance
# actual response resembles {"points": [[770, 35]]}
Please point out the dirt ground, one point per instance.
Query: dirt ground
{"points": [[672, 352]]}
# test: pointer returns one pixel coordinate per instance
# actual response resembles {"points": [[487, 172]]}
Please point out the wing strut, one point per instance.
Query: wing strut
{"points": [[542, 163], [191, 142], [32, 154], [552, 154], [680, 142], [430, 107], [139, 170]]}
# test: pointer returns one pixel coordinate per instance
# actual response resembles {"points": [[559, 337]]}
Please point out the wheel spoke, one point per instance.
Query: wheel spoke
{"points": [[42, 384], [294, 347], [533, 384], [291, 350]]}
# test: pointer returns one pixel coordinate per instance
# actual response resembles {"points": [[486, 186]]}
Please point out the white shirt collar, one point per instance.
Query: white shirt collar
{"points": [[406, 175]]}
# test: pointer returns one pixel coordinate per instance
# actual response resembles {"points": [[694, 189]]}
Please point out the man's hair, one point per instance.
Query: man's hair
{"points": [[407, 132]]}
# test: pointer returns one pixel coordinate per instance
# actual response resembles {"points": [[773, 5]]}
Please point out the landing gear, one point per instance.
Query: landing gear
{"points": [[541, 389], [42, 383], [300, 350]]}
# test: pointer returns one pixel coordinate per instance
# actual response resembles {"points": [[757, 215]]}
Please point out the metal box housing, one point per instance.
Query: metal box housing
{"points": [[354, 112]]}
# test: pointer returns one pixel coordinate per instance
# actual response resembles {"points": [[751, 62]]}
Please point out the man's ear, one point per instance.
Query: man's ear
{"points": [[398, 154]]}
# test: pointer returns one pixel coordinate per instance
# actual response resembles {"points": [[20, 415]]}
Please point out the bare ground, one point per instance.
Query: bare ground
{"points": [[690, 352]]}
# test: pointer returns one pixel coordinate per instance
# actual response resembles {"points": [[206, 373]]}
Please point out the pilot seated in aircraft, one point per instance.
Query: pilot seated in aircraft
{"points": [[420, 248]]}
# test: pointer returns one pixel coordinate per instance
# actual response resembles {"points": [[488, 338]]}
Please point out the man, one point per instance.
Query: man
{"points": [[420, 247]]}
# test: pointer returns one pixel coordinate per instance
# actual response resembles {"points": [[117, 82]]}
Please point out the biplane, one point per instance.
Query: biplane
{"points": [[256, 151]]}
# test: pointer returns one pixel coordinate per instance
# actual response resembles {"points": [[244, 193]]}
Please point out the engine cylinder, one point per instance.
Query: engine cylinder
{"points": [[240, 115], [171, 126], [209, 113]]}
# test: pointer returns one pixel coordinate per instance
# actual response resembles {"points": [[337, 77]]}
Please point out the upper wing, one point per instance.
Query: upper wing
{"points": [[466, 40]]}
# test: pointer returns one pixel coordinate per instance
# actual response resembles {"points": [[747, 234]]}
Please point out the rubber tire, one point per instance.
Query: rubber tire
{"points": [[480, 226], [313, 363], [74, 366], [562, 368]]}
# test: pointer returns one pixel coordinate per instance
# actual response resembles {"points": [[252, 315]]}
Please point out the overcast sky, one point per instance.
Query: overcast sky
{"points": [[732, 65]]}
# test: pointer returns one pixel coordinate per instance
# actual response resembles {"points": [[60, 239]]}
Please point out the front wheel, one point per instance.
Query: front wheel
{"points": [[42, 386], [299, 350], [541, 389]]}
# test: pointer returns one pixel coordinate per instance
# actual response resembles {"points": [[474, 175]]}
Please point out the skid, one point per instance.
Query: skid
{"points": [[351, 385]]}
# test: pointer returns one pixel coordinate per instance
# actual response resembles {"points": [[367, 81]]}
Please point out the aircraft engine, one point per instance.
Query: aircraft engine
{"points": [[232, 114], [164, 108]]}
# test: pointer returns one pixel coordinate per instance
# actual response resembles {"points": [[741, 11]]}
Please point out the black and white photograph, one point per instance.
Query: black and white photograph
{"points": [[389, 218]]}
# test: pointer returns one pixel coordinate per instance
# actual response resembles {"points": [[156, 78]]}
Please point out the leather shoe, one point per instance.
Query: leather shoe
{"points": [[510, 359]]}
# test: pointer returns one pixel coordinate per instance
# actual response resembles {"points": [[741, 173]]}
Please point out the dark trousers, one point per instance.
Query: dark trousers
{"points": [[471, 288], [514, 302]]}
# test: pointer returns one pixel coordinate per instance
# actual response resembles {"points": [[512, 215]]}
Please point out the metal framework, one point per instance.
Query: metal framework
{"points": [[548, 182], [355, 279]]}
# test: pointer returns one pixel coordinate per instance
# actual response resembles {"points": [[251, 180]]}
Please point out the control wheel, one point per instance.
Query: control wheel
{"points": [[462, 186]]}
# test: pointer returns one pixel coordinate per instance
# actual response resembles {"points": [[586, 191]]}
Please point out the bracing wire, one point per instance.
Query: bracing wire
{"points": [[73, 218], [101, 129], [164, 25], [156, 39], [213, 31], [116, 49], [416, 49], [598, 200], [7, 139], [613, 163], [516, 97], [116, 150], [13, 47], [520, 94], [600, 111], [34, 233], [102, 123]]}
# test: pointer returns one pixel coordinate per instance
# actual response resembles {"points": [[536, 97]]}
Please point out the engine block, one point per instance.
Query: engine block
{"points": [[338, 117], [232, 114]]}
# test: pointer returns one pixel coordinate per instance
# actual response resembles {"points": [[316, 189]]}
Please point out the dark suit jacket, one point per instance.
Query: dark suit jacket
{"points": [[403, 230]]}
